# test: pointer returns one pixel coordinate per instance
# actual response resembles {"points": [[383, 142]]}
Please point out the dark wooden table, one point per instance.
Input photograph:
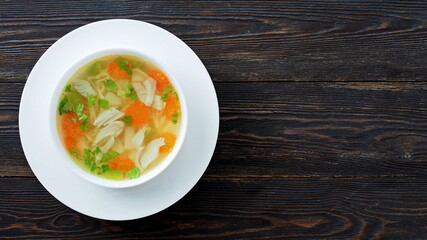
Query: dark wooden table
{"points": [[323, 110]]}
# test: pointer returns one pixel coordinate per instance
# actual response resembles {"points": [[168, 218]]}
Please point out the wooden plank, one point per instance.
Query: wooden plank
{"points": [[244, 208], [297, 129], [316, 129], [323, 120], [240, 42]]}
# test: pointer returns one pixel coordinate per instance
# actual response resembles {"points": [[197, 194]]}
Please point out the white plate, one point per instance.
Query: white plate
{"points": [[165, 189]]}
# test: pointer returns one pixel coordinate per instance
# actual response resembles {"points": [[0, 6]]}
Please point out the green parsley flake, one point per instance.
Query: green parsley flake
{"points": [[109, 156], [91, 100], [134, 173], [128, 89], [75, 153], [134, 97], [103, 103], [123, 65], [84, 125], [168, 89], [83, 118], [64, 106], [79, 111], [88, 157], [104, 168], [92, 169], [130, 92], [175, 118], [127, 120], [96, 151], [110, 84], [68, 88]]}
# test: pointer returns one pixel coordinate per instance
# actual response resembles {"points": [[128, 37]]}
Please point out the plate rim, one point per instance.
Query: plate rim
{"points": [[52, 48]]}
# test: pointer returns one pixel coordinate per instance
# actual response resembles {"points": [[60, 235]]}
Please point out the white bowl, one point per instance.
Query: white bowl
{"points": [[102, 181]]}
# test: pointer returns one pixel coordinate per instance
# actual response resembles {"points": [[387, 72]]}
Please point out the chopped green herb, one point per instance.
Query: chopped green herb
{"points": [[168, 89], [75, 153], [79, 111], [78, 108], [88, 157], [103, 103], [175, 118], [95, 68], [64, 106], [130, 92], [91, 100], [71, 102], [104, 168], [134, 97], [90, 160], [134, 173], [127, 120], [96, 151], [123, 65], [82, 117], [128, 89], [92, 169], [68, 88], [84, 125], [110, 84], [74, 102], [109, 156], [176, 95]]}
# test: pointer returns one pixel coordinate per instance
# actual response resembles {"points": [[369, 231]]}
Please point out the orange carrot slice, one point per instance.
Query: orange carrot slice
{"points": [[161, 79], [170, 140], [116, 72], [139, 112], [70, 142], [124, 164], [70, 125], [172, 106]]}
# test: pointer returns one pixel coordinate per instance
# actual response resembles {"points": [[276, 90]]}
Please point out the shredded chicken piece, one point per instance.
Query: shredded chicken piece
{"points": [[138, 139], [111, 130], [84, 88], [158, 103], [151, 152], [107, 145], [138, 156], [108, 117], [145, 91]]}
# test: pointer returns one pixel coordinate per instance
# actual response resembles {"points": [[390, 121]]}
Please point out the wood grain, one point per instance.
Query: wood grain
{"points": [[241, 42], [323, 119], [244, 208], [298, 129]]}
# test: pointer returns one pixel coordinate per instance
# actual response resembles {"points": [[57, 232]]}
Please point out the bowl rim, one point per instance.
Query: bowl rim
{"points": [[145, 177]]}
